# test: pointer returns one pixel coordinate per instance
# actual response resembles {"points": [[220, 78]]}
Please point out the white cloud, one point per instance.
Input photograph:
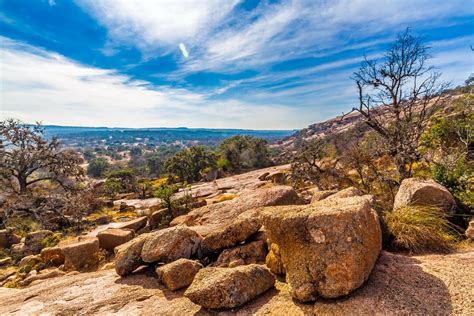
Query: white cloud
{"points": [[152, 24], [39, 85], [51, 3], [183, 49]]}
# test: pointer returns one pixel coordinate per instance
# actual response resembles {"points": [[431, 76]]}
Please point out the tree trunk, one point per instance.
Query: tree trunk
{"points": [[22, 184], [402, 168]]}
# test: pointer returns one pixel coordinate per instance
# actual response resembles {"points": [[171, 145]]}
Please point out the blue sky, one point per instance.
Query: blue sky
{"points": [[208, 63]]}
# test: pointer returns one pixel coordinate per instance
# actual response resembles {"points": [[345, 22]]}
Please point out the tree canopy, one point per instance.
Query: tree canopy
{"points": [[26, 157]]}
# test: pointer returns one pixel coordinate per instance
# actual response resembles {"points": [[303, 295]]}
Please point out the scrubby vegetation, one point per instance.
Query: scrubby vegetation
{"points": [[420, 229]]}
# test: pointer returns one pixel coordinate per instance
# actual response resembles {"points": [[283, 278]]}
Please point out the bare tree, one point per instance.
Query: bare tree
{"points": [[27, 158], [397, 95]]}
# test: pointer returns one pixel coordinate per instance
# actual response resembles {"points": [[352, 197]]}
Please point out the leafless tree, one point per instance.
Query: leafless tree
{"points": [[397, 95], [26, 157]]}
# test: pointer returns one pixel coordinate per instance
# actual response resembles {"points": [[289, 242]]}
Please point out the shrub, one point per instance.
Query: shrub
{"points": [[97, 167], [52, 240], [420, 229]]}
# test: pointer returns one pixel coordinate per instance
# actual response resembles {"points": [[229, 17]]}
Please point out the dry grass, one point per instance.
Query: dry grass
{"points": [[421, 229]]}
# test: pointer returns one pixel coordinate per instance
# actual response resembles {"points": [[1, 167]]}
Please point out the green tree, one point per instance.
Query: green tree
{"points": [[135, 152], [189, 163], [121, 181], [97, 167], [155, 165], [243, 153]]}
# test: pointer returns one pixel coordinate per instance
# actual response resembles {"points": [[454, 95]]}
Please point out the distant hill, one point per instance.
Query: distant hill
{"points": [[80, 136]]}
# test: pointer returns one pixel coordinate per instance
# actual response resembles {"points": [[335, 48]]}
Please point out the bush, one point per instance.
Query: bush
{"points": [[98, 167], [240, 153], [52, 240], [420, 229], [121, 181]]}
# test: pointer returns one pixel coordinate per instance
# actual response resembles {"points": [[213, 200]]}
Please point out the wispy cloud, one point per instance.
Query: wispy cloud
{"points": [[60, 88]]}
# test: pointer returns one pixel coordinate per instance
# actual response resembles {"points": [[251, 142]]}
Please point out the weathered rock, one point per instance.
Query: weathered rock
{"points": [[144, 230], [102, 219], [8, 238], [345, 193], [216, 216], [52, 255], [423, 192], [30, 260], [158, 218], [135, 224], [277, 177], [128, 256], [328, 248], [230, 235], [253, 252], [113, 237], [217, 288], [263, 176], [321, 195], [170, 244], [5, 261], [83, 255], [470, 230], [42, 276], [273, 260], [124, 207], [178, 274], [33, 240]]}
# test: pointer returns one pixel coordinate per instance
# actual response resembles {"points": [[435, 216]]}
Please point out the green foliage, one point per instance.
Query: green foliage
{"points": [[420, 229], [52, 240], [135, 152], [448, 145], [243, 153], [165, 193], [98, 167], [155, 165], [189, 163], [23, 226], [176, 205], [121, 181]]}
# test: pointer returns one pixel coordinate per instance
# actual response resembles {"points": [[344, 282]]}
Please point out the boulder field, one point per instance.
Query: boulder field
{"points": [[262, 252]]}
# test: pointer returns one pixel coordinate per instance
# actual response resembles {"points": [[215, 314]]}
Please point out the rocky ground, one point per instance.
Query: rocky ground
{"points": [[429, 284], [229, 255]]}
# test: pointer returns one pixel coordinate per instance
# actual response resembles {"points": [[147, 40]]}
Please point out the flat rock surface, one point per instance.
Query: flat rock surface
{"points": [[430, 284]]}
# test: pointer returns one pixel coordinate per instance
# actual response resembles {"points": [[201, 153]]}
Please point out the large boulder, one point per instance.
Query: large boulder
{"points": [[207, 219], [230, 235], [178, 274], [252, 252], [81, 256], [329, 248], [424, 192], [128, 256], [217, 288], [53, 256], [113, 237], [135, 224], [470, 231], [170, 244]]}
